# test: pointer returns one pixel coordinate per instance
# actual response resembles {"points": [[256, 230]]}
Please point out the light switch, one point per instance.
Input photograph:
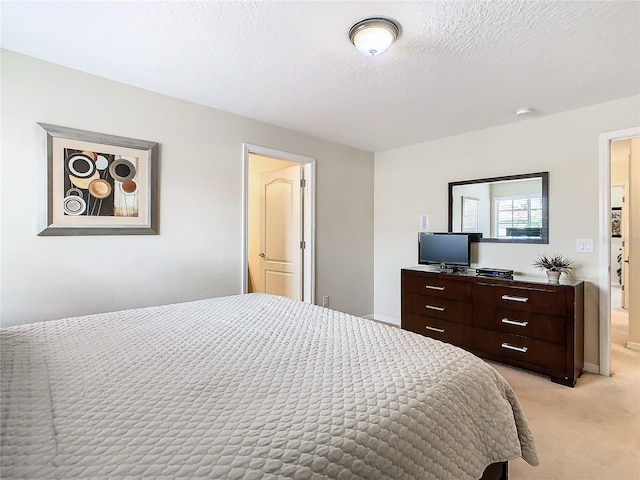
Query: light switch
{"points": [[584, 245]]}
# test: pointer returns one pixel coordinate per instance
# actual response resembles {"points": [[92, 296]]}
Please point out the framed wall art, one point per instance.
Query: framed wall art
{"points": [[616, 222], [96, 184]]}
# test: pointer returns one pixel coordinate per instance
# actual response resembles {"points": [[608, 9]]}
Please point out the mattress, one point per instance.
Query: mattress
{"points": [[248, 387]]}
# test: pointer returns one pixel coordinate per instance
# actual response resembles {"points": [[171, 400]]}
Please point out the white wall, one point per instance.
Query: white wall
{"points": [[413, 180], [198, 251]]}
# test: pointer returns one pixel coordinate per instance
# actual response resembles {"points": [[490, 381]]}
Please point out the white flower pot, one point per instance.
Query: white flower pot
{"points": [[554, 277]]}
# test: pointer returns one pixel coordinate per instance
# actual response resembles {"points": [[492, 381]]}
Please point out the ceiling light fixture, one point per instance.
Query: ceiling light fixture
{"points": [[372, 36]]}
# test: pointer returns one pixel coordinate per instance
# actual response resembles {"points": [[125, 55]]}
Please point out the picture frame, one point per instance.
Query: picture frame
{"points": [[96, 184], [616, 222]]}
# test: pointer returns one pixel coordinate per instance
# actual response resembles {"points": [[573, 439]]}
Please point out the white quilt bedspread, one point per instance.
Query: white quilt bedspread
{"points": [[252, 387]]}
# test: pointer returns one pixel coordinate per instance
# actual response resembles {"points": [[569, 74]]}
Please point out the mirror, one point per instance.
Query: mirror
{"points": [[511, 209]]}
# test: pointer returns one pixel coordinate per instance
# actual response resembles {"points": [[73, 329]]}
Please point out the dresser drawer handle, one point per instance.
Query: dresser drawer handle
{"points": [[514, 322], [433, 307], [515, 299], [513, 347], [433, 287], [434, 329]]}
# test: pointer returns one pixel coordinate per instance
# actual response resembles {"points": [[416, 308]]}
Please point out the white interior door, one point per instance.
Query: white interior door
{"points": [[632, 248], [281, 232]]}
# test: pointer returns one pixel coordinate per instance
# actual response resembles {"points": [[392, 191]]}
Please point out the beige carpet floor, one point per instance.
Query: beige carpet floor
{"points": [[588, 432]]}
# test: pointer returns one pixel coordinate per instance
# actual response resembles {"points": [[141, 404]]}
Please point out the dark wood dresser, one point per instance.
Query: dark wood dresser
{"points": [[523, 322]]}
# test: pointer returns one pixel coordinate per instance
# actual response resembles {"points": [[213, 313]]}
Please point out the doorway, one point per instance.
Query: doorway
{"points": [[622, 144], [278, 223], [620, 157]]}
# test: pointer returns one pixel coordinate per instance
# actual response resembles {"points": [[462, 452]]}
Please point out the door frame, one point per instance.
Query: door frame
{"points": [[604, 245], [308, 214]]}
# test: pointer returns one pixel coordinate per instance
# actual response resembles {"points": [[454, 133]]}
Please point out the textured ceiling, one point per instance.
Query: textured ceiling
{"points": [[457, 66]]}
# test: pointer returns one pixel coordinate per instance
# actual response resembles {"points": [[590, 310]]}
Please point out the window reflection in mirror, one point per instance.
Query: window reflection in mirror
{"points": [[504, 209]]}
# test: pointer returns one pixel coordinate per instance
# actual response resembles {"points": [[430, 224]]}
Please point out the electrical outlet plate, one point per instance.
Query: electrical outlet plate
{"points": [[325, 301]]}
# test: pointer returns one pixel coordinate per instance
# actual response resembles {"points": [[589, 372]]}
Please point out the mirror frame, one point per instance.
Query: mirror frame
{"points": [[544, 238]]}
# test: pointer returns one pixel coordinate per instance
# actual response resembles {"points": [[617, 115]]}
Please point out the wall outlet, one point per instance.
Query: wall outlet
{"points": [[325, 301]]}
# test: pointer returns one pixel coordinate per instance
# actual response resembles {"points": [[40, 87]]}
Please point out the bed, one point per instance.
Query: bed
{"points": [[249, 387]]}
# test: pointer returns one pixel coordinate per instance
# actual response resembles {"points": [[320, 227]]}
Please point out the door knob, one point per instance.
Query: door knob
{"points": [[261, 254]]}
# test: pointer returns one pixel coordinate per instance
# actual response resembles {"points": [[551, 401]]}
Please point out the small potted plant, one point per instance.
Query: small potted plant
{"points": [[554, 265]]}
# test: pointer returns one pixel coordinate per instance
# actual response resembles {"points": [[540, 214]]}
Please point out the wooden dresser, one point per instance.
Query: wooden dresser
{"points": [[522, 322]]}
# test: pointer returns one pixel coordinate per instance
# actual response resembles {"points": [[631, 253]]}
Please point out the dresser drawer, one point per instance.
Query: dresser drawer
{"points": [[443, 308], [537, 300], [436, 286], [450, 332], [518, 322], [523, 349]]}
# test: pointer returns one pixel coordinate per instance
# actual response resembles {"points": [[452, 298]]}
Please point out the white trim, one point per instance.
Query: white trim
{"points": [[309, 215], [309, 169], [244, 258], [604, 244], [591, 368], [633, 346], [383, 319]]}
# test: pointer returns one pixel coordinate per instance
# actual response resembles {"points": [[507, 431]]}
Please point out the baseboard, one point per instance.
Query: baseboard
{"points": [[384, 319], [591, 368], [633, 346]]}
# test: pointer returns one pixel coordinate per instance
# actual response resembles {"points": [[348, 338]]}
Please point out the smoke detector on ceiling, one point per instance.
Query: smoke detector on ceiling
{"points": [[522, 111]]}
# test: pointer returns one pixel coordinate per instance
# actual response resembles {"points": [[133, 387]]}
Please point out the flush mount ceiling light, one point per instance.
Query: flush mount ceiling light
{"points": [[372, 36]]}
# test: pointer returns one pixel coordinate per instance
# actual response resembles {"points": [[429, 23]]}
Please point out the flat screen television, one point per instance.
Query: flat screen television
{"points": [[450, 249]]}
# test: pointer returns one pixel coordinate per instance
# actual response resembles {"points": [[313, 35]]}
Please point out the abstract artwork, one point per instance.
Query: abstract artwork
{"points": [[96, 184], [616, 222]]}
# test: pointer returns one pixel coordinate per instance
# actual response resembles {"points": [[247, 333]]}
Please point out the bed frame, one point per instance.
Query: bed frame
{"points": [[496, 471]]}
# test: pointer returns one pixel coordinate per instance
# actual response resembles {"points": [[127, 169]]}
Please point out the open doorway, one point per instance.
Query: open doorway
{"points": [[619, 252], [278, 223], [620, 156]]}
